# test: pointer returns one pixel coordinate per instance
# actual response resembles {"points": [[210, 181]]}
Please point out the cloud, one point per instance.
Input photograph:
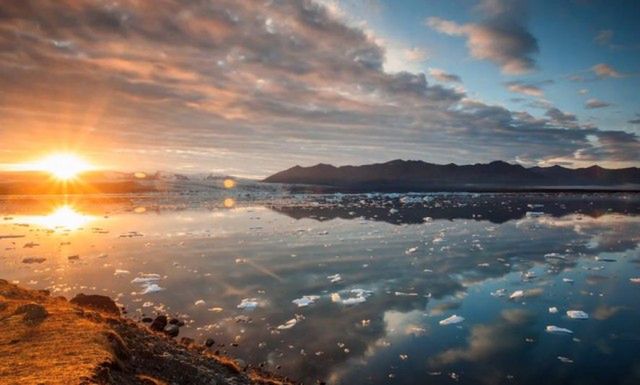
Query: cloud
{"points": [[606, 71], [415, 54], [592, 104], [530, 89], [235, 84], [603, 37], [502, 37], [442, 76]]}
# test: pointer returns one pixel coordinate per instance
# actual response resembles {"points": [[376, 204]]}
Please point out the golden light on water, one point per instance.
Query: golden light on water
{"points": [[63, 166], [62, 217], [229, 183]]}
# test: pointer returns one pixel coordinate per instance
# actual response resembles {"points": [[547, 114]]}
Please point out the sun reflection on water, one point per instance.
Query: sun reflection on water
{"points": [[62, 217]]}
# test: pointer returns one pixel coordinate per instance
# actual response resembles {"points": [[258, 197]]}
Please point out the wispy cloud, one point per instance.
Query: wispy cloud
{"points": [[443, 76], [502, 37], [527, 88], [592, 104], [606, 71]]}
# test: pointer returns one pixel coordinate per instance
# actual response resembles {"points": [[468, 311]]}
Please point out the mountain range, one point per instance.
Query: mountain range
{"points": [[412, 175]]}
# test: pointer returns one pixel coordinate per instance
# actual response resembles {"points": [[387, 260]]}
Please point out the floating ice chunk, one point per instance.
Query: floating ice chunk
{"points": [[352, 297], [499, 293], [553, 310], [393, 211], [403, 294], [577, 314], [454, 319], [151, 288], [635, 280], [121, 272], [334, 278], [248, 303], [411, 250], [306, 300], [353, 300], [556, 329], [288, 325], [565, 360], [200, 302], [146, 278], [567, 280], [517, 294]]}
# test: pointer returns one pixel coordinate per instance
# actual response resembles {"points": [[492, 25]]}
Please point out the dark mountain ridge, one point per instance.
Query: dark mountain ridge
{"points": [[412, 175]]}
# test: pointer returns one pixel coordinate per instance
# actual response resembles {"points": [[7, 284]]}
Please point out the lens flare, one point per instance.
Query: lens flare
{"points": [[63, 166]]}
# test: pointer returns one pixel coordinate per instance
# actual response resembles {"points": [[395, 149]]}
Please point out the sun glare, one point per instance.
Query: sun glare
{"points": [[63, 217], [63, 166]]}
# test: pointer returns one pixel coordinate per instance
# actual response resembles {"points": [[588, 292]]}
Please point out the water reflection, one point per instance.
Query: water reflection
{"points": [[568, 254], [63, 217]]}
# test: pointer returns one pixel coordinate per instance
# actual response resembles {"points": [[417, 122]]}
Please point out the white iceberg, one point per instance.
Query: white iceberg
{"points": [[151, 288], [454, 319], [517, 294], [288, 325], [553, 310], [577, 314], [556, 329], [334, 278], [248, 303], [411, 250], [306, 300]]}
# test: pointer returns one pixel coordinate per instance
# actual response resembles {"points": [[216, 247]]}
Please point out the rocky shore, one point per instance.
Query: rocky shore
{"points": [[49, 340]]}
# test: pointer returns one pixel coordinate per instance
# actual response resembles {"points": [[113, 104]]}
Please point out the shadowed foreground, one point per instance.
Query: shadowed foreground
{"points": [[49, 340]]}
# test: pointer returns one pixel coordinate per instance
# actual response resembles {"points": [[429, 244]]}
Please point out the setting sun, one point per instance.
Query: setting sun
{"points": [[63, 166]]}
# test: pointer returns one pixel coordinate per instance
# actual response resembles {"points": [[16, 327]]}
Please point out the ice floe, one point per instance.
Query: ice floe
{"points": [[557, 329], [577, 314], [334, 278], [248, 303], [306, 300], [454, 319]]}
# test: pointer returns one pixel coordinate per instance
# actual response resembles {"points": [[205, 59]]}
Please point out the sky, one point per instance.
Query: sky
{"points": [[248, 88]]}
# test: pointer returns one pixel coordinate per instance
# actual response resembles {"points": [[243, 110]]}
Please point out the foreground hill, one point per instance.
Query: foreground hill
{"points": [[401, 175], [48, 340]]}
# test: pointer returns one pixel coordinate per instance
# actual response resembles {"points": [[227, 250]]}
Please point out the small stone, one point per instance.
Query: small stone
{"points": [[147, 320], [96, 302], [172, 330], [33, 313], [209, 342], [159, 323]]}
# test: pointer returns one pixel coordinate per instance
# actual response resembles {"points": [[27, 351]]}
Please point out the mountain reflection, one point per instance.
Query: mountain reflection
{"points": [[495, 208]]}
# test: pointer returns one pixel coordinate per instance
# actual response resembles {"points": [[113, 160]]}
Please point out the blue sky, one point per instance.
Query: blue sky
{"points": [[252, 87], [566, 32]]}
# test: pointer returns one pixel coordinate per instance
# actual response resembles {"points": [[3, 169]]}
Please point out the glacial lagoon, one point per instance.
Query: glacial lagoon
{"points": [[367, 289]]}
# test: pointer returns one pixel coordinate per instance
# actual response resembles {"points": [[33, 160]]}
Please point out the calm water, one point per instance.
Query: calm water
{"points": [[381, 273]]}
